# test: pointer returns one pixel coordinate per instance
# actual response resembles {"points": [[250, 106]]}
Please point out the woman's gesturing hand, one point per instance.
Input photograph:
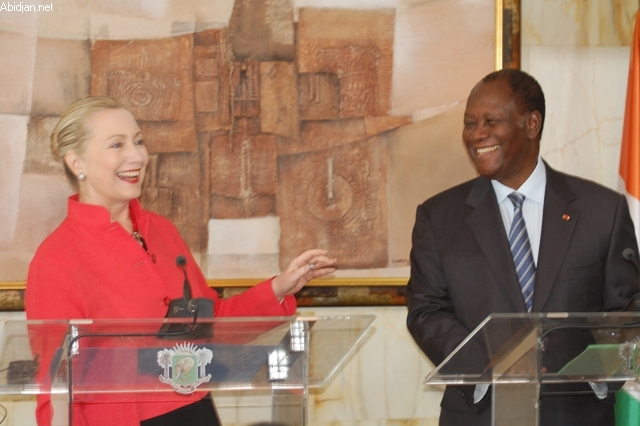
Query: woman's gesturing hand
{"points": [[309, 265]]}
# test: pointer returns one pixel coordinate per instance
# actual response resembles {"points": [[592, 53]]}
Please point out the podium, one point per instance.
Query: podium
{"points": [[124, 361], [521, 357]]}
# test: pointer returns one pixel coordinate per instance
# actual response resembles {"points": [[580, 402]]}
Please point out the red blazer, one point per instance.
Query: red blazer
{"points": [[90, 267]]}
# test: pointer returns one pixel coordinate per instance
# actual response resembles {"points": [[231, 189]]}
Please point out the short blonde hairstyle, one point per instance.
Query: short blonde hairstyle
{"points": [[71, 131]]}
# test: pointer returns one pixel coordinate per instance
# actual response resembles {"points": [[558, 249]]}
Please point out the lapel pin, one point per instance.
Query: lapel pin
{"points": [[566, 217]]}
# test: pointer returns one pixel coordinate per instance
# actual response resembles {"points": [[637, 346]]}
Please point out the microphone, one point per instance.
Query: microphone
{"points": [[184, 307], [187, 307], [634, 303], [630, 255], [181, 261]]}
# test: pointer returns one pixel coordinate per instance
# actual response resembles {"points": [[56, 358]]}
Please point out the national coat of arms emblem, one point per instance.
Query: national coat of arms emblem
{"points": [[629, 352], [184, 367]]}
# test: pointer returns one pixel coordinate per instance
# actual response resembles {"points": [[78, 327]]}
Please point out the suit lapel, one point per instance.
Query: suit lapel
{"points": [[558, 222], [483, 221]]}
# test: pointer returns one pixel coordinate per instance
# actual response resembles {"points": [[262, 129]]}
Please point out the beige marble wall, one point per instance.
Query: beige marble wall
{"points": [[579, 52], [380, 383]]}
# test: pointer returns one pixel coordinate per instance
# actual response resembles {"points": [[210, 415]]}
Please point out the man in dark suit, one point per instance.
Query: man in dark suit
{"points": [[462, 265]]}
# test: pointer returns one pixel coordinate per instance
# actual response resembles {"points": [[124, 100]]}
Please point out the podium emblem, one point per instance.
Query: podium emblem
{"points": [[184, 367], [630, 353]]}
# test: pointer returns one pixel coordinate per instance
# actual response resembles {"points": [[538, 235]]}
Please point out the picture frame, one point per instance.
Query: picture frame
{"points": [[341, 290]]}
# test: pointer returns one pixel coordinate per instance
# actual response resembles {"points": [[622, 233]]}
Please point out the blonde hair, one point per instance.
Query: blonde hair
{"points": [[71, 131]]}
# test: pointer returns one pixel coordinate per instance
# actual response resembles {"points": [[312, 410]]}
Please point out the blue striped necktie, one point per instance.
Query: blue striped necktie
{"points": [[521, 250]]}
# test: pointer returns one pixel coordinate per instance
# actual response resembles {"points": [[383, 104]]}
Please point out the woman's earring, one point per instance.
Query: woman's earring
{"points": [[82, 176]]}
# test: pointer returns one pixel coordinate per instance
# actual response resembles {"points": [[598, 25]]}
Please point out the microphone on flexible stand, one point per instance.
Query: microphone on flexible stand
{"points": [[187, 307], [634, 303], [630, 255]]}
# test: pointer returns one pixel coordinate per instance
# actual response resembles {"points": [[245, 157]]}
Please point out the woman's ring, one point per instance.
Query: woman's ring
{"points": [[312, 266]]}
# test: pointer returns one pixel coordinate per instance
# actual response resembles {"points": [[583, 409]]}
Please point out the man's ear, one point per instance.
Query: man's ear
{"points": [[73, 162], [533, 123]]}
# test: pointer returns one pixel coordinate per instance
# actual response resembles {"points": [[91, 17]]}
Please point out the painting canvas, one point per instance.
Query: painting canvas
{"points": [[273, 126]]}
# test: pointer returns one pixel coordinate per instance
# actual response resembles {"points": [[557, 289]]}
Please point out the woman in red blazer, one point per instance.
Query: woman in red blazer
{"points": [[109, 258]]}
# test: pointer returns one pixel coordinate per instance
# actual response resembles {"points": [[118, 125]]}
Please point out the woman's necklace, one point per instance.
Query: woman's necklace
{"points": [[135, 234]]}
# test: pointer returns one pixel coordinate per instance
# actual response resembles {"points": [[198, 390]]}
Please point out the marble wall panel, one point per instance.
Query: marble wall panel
{"points": [[62, 74], [22, 411], [578, 22], [318, 96], [335, 199], [357, 48], [441, 50], [279, 99], [379, 383], [424, 159], [262, 30], [586, 90], [153, 78]]}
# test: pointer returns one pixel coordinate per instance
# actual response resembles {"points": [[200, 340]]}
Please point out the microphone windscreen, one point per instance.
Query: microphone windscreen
{"points": [[628, 253], [181, 261]]}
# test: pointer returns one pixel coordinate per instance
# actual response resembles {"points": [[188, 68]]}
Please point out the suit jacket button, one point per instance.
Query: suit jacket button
{"points": [[153, 257], [167, 300]]}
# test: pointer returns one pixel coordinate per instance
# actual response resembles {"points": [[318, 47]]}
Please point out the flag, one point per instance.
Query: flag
{"points": [[630, 150], [628, 405], [628, 398]]}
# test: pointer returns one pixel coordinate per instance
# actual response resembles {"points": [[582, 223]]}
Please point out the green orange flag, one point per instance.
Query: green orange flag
{"points": [[630, 150], [628, 398]]}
